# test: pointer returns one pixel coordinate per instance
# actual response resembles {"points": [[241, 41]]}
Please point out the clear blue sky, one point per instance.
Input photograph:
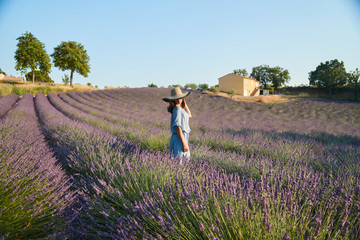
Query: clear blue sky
{"points": [[134, 43]]}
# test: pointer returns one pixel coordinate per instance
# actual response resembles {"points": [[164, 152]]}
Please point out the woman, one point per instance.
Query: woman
{"points": [[179, 125]]}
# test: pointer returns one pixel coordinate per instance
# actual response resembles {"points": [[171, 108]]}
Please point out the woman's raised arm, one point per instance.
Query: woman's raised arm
{"points": [[186, 108]]}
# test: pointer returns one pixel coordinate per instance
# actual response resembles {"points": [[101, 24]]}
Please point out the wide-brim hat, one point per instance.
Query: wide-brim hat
{"points": [[176, 94]]}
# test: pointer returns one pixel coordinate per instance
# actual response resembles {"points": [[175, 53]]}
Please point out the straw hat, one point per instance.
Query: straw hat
{"points": [[176, 94]]}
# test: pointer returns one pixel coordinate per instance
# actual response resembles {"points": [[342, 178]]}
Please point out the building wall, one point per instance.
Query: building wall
{"points": [[249, 86], [243, 86], [231, 81]]}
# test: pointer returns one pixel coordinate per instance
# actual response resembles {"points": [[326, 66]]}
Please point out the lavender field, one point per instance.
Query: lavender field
{"points": [[96, 165]]}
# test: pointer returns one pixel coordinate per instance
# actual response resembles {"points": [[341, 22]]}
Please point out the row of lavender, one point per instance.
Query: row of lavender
{"points": [[6, 103], [128, 192], [142, 194], [332, 153], [34, 190], [258, 116]]}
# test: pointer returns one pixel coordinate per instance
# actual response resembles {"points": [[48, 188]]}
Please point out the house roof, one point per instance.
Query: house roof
{"points": [[239, 75]]}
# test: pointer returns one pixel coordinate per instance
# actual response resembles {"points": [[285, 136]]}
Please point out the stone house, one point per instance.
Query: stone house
{"points": [[244, 86], [10, 78]]}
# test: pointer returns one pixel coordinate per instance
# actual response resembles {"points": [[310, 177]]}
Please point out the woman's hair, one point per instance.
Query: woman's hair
{"points": [[172, 105]]}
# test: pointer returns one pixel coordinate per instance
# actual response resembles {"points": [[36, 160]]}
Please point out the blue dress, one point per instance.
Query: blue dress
{"points": [[179, 118]]}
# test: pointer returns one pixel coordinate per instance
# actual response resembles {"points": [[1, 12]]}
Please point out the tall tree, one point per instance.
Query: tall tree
{"points": [[203, 86], [31, 54], [71, 56], [241, 71], [329, 75], [278, 76], [260, 73]]}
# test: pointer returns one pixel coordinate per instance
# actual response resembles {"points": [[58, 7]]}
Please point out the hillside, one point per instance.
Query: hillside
{"points": [[258, 171]]}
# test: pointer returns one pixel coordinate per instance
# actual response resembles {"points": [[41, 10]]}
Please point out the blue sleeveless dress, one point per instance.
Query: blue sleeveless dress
{"points": [[179, 118]]}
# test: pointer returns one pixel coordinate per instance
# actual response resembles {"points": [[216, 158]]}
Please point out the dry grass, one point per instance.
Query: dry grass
{"points": [[274, 98], [261, 98], [20, 88]]}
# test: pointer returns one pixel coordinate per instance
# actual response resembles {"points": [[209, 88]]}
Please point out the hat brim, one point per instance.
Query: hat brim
{"points": [[169, 99]]}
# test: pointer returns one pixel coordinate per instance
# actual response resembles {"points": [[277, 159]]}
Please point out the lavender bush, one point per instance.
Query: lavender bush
{"points": [[147, 195], [6, 103], [134, 131], [84, 151], [289, 146], [34, 191], [258, 171]]}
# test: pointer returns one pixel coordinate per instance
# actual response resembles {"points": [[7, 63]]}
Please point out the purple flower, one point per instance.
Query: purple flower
{"points": [[286, 237], [201, 226]]}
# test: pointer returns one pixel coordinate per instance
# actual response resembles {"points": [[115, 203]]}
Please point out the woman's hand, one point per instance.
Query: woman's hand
{"points": [[182, 139], [185, 147]]}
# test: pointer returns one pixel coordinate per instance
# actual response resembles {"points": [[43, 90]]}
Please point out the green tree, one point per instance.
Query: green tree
{"points": [[278, 76], [214, 89], [354, 82], [271, 90], [354, 78], [39, 77], [203, 86], [329, 75], [261, 73], [2, 72], [31, 54], [66, 79], [71, 56], [241, 71], [152, 85], [193, 86]]}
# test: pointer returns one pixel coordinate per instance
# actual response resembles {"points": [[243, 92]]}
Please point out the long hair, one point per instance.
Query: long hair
{"points": [[172, 105]]}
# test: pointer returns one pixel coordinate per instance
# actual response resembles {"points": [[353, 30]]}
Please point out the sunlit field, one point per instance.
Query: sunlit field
{"points": [[20, 88], [96, 165]]}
